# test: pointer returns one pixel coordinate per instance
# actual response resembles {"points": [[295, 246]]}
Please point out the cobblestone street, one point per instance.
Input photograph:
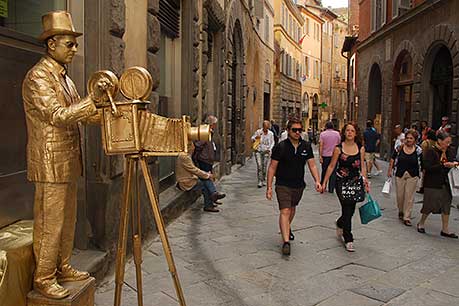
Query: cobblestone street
{"points": [[233, 258]]}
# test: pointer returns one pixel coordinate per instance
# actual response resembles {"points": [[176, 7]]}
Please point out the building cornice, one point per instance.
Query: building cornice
{"points": [[424, 8], [294, 11], [279, 28], [310, 14]]}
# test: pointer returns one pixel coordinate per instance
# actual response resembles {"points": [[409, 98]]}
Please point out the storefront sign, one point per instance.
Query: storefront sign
{"points": [[4, 8]]}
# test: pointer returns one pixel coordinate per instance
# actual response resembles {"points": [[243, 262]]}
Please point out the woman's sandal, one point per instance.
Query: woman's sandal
{"points": [[448, 235], [349, 247], [420, 229], [407, 222]]}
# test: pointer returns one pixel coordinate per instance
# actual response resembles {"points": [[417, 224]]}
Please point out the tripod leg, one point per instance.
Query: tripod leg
{"points": [[122, 239], [137, 235], [162, 230]]}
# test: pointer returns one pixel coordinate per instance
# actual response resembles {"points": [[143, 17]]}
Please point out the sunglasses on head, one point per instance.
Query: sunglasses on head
{"points": [[296, 130]]}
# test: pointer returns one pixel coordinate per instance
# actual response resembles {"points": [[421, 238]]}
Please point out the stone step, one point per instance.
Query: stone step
{"points": [[93, 261]]}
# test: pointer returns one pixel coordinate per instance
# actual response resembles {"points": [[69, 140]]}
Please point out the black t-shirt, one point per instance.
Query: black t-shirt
{"points": [[290, 170], [406, 162]]}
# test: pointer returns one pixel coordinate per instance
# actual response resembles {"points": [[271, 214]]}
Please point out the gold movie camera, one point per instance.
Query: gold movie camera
{"points": [[129, 128]]}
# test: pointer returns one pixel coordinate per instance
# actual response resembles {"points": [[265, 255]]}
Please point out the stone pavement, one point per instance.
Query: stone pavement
{"points": [[233, 258]]}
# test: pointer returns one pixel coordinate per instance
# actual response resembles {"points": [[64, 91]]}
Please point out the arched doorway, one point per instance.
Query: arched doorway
{"points": [[374, 92], [237, 97], [402, 90], [441, 84]]}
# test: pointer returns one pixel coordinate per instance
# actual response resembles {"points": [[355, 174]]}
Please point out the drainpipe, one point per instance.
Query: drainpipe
{"points": [[348, 85]]}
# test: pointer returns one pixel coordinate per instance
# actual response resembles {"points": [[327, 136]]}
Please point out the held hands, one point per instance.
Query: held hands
{"points": [[319, 187]]}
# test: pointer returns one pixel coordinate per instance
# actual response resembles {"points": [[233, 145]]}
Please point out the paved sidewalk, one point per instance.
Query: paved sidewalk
{"points": [[233, 258]]}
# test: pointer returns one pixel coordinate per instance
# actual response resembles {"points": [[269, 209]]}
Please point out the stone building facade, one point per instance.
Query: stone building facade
{"points": [[288, 31], [338, 112], [408, 65], [311, 47]]}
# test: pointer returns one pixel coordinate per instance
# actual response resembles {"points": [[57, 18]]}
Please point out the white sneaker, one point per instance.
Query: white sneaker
{"points": [[260, 184], [263, 183], [350, 247]]}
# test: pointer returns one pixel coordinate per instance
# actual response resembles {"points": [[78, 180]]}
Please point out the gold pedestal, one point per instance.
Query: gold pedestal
{"points": [[81, 294]]}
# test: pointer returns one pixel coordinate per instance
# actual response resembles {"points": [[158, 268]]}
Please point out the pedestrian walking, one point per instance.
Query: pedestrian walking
{"points": [[348, 156], [437, 162], [287, 165], [205, 151], [263, 151], [445, 126], [328, 140], [276, 131], [407, 164], [190, 177], [428, 143], [399, 137], [371, 140]]}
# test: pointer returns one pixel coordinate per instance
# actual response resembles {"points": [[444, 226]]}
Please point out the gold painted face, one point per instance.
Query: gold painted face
{"points": [[62, 48]]}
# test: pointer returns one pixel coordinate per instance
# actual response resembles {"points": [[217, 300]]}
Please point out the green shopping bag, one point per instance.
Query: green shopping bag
{"points": [[369, 211]]}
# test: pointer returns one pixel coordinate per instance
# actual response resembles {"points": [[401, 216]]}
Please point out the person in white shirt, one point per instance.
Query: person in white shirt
{"points": [[265, 138], [400, 137]]}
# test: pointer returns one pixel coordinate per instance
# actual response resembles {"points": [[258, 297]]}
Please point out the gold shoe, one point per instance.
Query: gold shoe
{"points": [[69, 274], [51, 290]]}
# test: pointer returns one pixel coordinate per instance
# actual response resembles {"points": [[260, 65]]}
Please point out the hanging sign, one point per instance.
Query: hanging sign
{"points": [[4, 8]]}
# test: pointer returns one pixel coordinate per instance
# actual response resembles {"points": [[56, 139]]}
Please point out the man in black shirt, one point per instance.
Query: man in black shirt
{"points": [[287, 164]]}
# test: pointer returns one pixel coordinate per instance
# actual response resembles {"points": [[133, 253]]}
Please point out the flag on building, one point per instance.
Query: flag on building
{"points": [[301, 39]]}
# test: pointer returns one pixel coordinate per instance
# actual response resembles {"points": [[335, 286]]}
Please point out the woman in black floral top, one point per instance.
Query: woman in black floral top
{"points": [[349, 156]]}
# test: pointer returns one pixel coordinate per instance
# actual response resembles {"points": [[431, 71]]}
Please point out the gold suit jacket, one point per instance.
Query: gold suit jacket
{"points": [[53, 109], [187, 173]]}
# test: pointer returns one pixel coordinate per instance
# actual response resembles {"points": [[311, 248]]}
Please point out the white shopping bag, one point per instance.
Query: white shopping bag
{"points": [[387, 186], [454, 189], [455, 177]]}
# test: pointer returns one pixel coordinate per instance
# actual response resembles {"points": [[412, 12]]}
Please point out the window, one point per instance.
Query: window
{"points": [[343, 72], [400, 7], [378, 14], [290, 24], [330, 28], [306, 62], [307, 26], [25, 16], [325, 27], [267, 29], [283, 15], [299, 34], [336, 40]]}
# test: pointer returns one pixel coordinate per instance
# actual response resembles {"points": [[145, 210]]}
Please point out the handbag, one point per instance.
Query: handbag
{"points": [[353, 190], [452, 184], [256, 144], [387, 187], [369, 211]]}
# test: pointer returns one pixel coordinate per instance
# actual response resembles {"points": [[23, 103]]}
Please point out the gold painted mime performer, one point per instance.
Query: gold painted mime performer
{"points": [[53, 111]]}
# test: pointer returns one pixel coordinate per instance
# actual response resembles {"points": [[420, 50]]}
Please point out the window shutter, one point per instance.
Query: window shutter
{"points": [[373, 15], [169, 17], [395, 8], [259, 9], [384, 13]]}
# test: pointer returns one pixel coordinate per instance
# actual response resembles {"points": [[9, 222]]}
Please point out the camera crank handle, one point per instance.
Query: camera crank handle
{"points": [[115, 111]]}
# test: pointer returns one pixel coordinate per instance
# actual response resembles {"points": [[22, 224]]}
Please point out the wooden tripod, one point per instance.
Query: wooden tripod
{"points": [[131, 203]]}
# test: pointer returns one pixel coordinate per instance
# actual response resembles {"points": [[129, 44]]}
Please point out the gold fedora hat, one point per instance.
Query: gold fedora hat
{"points": [[57, 23]]}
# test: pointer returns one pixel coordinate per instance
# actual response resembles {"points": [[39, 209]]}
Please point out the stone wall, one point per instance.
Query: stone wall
{"points": [[434, 25]]}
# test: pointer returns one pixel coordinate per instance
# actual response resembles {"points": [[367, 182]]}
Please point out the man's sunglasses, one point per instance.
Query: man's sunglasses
{"points": [[296, 130]]}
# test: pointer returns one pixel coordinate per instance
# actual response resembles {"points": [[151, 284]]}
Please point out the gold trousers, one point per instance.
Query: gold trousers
{"points": [[55, 210]]}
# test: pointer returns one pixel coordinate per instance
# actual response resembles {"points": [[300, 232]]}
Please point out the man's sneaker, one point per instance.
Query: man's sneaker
{"points": [[292, 237], [211, 209], [263, 183], [350, 247], [369, 175], [260, 184], [286, 248]]}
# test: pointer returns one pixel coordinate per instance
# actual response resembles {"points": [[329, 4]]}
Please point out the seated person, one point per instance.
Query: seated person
{"points": [[190, 177]]}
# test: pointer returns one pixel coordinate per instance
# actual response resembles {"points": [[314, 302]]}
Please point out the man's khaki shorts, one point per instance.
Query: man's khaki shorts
{"points": [[370, 156], [288, 197]]}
